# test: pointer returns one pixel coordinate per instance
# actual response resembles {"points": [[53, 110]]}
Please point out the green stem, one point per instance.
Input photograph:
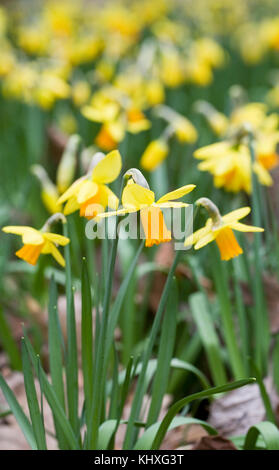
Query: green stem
{"points": [[137, 401], [261, 320], [221, 283], [100, 371]]}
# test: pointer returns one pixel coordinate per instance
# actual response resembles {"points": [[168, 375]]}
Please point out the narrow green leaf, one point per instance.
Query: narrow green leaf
{"points": [[268, 431], [140, 389], [55, 346], [33, 405], [145, 441], [19, 414], [58, 411], [72, 368], [176, 407], [86, 339], [208, 336], [71, 353], [265, 398], [165, 353], [8, 342]]}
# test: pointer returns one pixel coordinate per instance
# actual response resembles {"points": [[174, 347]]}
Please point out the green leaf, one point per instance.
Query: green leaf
{"points": [[58, 411], [140, 388], [33, 405], [176, 407], [268, 431], [106, 431], [208, 336], [55, 355], [165, 353], [8, 342], [179, 364], [72, 368], [265, 398], [71, 353], [19, 414], [55, 345], [86, 339], [145, 441]]}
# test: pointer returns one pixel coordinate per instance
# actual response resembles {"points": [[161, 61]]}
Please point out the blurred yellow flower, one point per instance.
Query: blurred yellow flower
{"points": [[90, 193], [36, 242], [154, 154], [220, 228]]}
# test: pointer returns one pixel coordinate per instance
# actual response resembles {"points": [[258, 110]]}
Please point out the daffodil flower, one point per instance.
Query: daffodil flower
{"points": [[138, 198], [36, 242], [91, 191], [220, 228]]}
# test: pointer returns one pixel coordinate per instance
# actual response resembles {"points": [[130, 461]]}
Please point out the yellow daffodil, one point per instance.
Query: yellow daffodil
{"points": [[138, 198], [154, 154], [36, 242], [220, 228], [229, 161], [91, 191]]}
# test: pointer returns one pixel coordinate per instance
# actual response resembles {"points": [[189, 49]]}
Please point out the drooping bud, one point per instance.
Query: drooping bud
{"points": [[137, 177], [49, 192], [212, 210], [67, 166]]}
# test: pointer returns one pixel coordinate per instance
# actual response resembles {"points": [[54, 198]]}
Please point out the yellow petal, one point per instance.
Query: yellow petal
{"points": [[87, 190], [245, 228], [30, 236], [50, 248], [112, 199], [108, 169], [55, 238], [196, 236], [171, 204], [114, 213], [71, 206], [154, 154], [72, 190], [205, 240], [233, 216], [136, 196], [263, 175], [177, 193]]}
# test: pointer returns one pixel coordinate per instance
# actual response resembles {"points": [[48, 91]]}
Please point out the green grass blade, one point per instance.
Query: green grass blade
{"points": [[59, 415], [186, 366], [176, 407], [165, 353], [58, 412], [8, 342], [18, 413], [145, 441], [265, 398], [86, 339], [113, 409], [71, 353], [140, 389], [208, 336], [222, 287], [55, 346], [268, 431], [72, 369], [55, 356], [33, 405]]}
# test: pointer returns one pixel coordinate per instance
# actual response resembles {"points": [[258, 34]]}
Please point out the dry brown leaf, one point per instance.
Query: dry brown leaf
{"points": [[234, 413], [214, 443]]}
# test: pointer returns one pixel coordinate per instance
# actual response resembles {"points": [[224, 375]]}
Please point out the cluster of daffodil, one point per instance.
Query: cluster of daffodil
{"points": [[90, 195], [229, 160], [43, 54]]}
